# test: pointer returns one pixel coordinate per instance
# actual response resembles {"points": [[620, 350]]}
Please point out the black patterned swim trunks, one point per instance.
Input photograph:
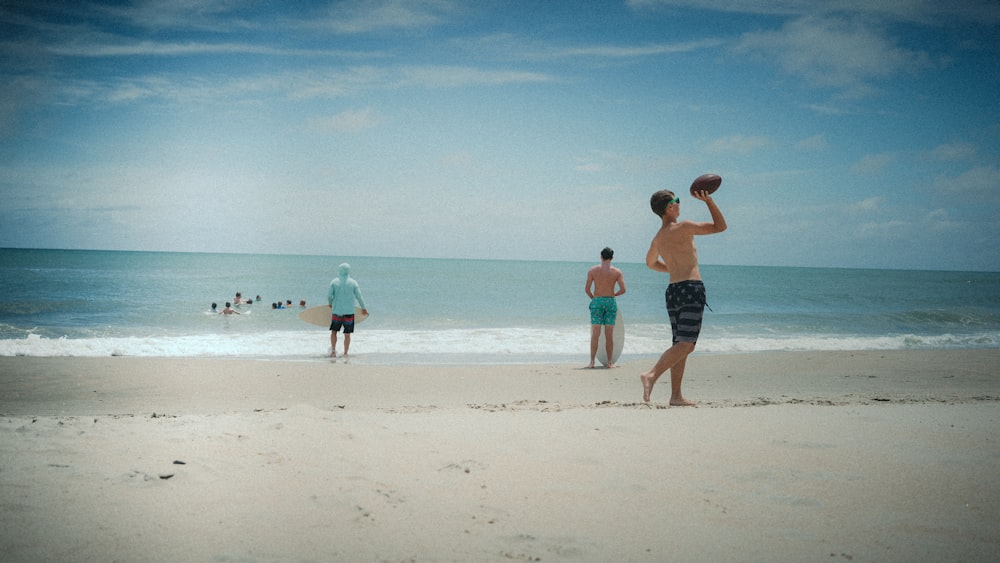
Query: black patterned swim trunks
{"points": [[686, 306]]}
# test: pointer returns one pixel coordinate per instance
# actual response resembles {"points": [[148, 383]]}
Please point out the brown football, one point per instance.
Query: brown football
{"points": [[706, 183]]}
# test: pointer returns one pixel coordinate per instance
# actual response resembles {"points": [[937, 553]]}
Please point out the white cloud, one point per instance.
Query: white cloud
{"points": [[826, 109], [613, 51], [939, 220], [869, 205], [351, 121], [882, 229], [873, 163], [293, 85], [128, 48], [321, 84], [814, 143], [738, 144], [363, 16], [589, 167], [848, 55], [516, 47], [217, 15], [980, 181], [909, 11], [954, 151], [457, 76]]}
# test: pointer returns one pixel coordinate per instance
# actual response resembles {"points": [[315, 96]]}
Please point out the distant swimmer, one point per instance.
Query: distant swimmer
{"points": [[342, 296], [215, 308], [602, 281], [229, 310]]}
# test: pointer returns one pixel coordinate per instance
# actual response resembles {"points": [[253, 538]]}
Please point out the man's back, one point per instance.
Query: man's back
{"points": [[605, 276]]}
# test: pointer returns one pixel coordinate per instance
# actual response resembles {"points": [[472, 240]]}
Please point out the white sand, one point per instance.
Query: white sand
{"points": [[873, 456]]}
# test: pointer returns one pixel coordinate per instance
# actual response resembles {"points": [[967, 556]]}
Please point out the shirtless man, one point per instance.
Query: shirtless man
{"points": [[601, 282], [673, 252]]}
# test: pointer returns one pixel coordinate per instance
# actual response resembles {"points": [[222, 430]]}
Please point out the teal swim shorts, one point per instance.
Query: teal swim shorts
{"points": [[603, 311]]}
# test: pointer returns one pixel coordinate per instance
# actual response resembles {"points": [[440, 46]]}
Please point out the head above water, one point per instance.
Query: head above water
{"points": [[659, 201], [607, 253]]}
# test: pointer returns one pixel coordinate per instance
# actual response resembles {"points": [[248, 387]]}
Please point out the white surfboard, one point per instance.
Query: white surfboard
{"points": [[618, 334], [320, 315]]}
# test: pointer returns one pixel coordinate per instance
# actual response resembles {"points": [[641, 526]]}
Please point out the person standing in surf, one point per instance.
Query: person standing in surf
{"points": [[673, 252], [602, 280], [343, 296]]}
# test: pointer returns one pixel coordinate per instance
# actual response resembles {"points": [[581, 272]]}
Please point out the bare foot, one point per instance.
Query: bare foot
{"points": [[682, 402], [611, 366], [647, 386], [591, 366]]}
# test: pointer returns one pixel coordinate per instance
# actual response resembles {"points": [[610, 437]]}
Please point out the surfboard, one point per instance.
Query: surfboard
{"points": [[320, 315], [618, 334]]}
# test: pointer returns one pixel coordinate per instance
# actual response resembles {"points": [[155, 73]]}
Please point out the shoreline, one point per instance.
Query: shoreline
{"points": [[115, 385], [807, 456]]}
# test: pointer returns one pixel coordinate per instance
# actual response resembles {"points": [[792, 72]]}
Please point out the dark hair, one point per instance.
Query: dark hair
{"points": [[607, 253], [659, 201]]}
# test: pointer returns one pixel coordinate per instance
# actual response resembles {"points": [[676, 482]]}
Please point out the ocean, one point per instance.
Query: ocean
{"points": [[439, 311]]}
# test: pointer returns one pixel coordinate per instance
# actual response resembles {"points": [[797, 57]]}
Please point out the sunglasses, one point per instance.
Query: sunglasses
{"points": [[675, 200]]}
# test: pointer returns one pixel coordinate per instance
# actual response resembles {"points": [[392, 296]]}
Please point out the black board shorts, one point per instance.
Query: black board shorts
{"points": [[686, 307], [339, 321]]}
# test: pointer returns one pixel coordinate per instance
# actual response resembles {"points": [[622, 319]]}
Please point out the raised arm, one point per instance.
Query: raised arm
{"points": [[718, 223]]}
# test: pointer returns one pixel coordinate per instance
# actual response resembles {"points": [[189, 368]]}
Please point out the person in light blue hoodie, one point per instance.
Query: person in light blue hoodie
{"points": [[343, 296]]}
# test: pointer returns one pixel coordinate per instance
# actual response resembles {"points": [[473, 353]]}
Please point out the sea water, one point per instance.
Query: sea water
{"points": [[102, 303]]}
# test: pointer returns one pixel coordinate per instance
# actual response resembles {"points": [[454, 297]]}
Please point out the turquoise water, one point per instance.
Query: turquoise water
{"points": [[96, 303]]}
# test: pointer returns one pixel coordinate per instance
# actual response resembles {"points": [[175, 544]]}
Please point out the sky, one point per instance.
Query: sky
{"points": [[848, 133]]}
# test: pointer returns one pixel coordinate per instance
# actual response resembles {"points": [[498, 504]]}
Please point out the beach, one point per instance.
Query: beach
{"points": [[795, 456]]}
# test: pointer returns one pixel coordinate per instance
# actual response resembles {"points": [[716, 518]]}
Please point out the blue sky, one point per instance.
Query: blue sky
{"points": [[848, 134]]}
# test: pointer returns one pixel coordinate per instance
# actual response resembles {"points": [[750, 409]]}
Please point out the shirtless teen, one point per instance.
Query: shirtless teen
{"points": [[603, 308], [673, 252]]}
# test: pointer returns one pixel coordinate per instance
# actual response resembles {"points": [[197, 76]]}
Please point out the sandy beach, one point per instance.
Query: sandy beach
{"points": [[811, 456]]}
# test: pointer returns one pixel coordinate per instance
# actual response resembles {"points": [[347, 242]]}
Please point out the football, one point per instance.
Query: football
{"points": [[706, 183]]}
